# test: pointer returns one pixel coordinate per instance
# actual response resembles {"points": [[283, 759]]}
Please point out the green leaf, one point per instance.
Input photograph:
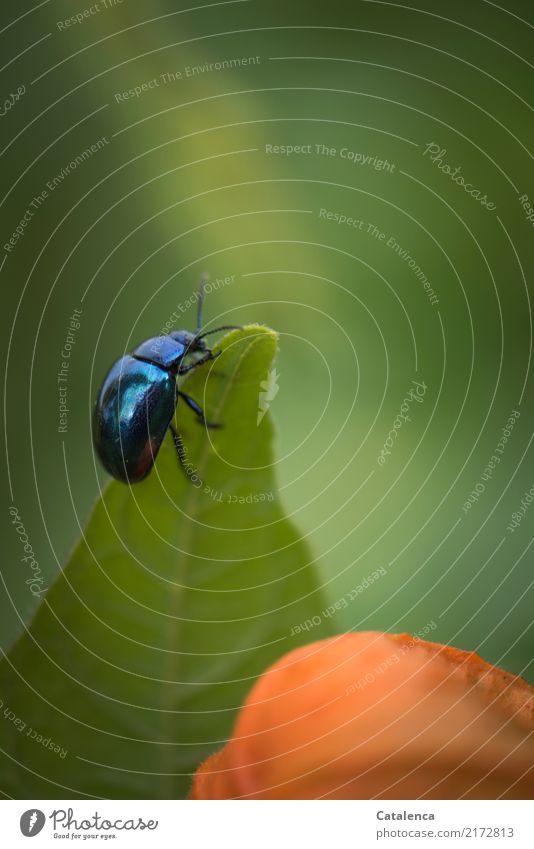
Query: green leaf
{"points": [[178, 595]]}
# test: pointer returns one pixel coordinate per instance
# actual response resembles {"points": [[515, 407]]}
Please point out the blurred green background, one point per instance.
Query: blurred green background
{"points": [[188, 180]]}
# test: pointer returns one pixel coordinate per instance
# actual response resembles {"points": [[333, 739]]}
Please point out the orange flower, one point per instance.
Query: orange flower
{"points": [[374, 715]]}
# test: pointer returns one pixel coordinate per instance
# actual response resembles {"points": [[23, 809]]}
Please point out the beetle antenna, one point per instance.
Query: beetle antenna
{"points": [[201, 295], [217, 329]]}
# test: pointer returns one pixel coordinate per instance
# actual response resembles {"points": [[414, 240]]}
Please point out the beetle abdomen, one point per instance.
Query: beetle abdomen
{"points": [[133, 412]]}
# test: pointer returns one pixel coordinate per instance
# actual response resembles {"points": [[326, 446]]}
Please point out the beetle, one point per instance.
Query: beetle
{"points": [[139, 396]]}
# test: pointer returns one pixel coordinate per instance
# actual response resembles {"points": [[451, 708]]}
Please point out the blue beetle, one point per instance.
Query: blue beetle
{"points": [[138, 399]]}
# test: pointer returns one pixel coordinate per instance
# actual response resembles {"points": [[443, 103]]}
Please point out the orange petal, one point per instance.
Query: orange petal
{"points": [[374, 715]]}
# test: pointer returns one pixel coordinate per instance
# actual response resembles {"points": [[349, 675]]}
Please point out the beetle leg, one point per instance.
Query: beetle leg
{"points": [[209, 355], [192, 404]]}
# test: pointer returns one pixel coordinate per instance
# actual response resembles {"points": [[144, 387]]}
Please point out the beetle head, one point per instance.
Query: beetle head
{"points": [[190, 341]]}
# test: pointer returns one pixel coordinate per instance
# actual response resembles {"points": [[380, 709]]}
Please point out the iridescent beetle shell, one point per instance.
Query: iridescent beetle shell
{"points": [[134, 409], [137, 400]]}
